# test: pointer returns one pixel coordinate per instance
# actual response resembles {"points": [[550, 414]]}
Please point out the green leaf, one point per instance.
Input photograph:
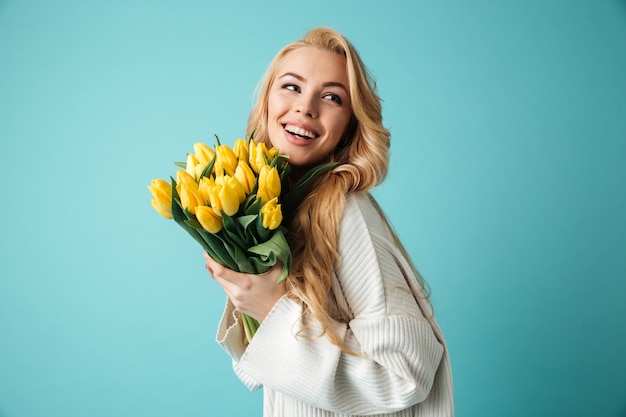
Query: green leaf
{"points": [[295, 194], [248, 224], [314, 174], [234, 230], [275, 248], [194, 223], [262, 233], [278, 161], [254, 205], [208, 169], [250, 198], [247, 220], [284, 177], [262, 264], [237, 254], [177, 210], [217, 248]]}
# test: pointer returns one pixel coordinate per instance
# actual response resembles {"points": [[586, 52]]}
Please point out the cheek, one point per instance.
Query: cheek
{"points": [[342, 123], [275, 105]]}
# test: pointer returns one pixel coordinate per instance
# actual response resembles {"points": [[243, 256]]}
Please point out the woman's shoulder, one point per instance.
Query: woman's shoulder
{"points": [[363, 217], [362, 205], [360, 201]]}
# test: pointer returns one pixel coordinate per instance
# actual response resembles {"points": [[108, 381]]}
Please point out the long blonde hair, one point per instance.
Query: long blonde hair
{"points": [[363, 157]]}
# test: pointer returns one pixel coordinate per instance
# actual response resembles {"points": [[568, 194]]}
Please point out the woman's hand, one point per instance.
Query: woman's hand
{"points": [[254, 295]]}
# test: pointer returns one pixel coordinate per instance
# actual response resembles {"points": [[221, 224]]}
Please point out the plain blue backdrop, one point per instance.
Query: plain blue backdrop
{"points": [[507, 185]]}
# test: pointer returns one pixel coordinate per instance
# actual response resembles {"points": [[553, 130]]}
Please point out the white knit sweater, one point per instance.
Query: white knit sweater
{"points": [[405, 369]]}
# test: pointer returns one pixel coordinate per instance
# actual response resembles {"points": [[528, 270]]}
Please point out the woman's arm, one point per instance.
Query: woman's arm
{"points": [[400, 352]]}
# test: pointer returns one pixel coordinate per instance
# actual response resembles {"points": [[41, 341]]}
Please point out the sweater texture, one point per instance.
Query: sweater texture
{"points": [[404, 369]]}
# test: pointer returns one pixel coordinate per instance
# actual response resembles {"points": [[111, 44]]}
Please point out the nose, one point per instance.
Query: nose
{"points": [[307, 106]]}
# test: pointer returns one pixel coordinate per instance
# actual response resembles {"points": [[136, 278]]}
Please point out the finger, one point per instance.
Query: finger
{"points": [[214, 267], [217, 270], [207, 263], [231, 290]]}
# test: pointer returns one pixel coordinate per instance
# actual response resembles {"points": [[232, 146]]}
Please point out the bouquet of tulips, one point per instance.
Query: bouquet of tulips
{"points": [[235, 203]]}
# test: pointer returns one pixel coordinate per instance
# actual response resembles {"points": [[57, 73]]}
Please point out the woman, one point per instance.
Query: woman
{"points": [[350, 331]]}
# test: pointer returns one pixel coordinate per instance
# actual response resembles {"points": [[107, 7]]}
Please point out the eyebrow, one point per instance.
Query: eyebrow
{"points": [[326, 84]]}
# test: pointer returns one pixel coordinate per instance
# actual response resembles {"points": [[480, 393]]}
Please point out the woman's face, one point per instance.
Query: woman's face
{"points": [[308, 105]]}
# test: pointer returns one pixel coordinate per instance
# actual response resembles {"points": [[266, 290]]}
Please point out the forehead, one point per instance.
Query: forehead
{"points": [[315, 65]]}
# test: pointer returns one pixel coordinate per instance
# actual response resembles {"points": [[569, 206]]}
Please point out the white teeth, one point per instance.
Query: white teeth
{"points": [[300, 132]]}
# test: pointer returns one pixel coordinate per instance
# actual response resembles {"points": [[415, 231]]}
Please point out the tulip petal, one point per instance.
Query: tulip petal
{"points": [[208, 220]]}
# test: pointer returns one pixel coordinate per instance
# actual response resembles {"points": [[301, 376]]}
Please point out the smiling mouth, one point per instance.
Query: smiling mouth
{"points": [[300, 132]]}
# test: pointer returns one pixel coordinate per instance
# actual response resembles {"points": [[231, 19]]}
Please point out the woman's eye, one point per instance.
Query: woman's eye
{"points": [[333, 97], [291, 87]]}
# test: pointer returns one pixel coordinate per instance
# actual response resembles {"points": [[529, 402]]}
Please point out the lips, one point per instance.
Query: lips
{"points": [[300, 132]]}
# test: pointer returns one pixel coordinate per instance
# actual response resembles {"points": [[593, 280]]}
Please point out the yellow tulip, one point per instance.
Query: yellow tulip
{"points": [[225, 160], [222, 197], [204, 186], [190, 197], [183, 177], [257, 156], [271, 214], [245, 176], [214, 198], [230, 198], [235, 187], [269, 184], [187, 188], [199, 169], [271, 153], [204, 154], [209, 221], [192, 163], [161, 197], [241, 149]]}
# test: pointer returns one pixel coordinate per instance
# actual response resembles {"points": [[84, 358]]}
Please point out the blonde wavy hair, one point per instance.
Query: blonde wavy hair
{"points": [[363, 156]]}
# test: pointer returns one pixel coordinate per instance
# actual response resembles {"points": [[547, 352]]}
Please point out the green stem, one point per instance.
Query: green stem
{"points": [[250, 326]]}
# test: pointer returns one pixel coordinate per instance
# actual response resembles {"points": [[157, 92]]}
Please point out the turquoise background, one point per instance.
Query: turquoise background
{"points": [[507, 184]]}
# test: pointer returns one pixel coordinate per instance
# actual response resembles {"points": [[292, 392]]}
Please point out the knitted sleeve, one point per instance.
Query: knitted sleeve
{"points": [[399, 351]]}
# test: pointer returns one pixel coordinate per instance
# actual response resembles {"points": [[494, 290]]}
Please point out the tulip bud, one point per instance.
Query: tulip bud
{"points": [[188, 191], [271, 214], [192, 163], [229, 198], [199, 170], [233, 184], [271, 153], [223, 198], [225, 161], [241, 149], [204, 154], [190, 197], [245, 176], [257, 156], [161, 197], [214, 198], [183, 177], [269, 184], [203, 187], [207, 218]]}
